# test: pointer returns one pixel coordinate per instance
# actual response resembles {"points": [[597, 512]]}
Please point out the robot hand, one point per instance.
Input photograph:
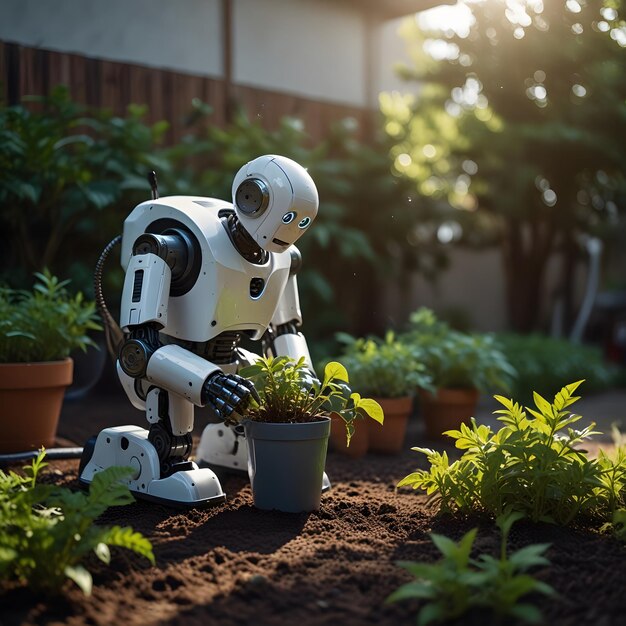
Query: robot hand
{"points": [[228, 394]]}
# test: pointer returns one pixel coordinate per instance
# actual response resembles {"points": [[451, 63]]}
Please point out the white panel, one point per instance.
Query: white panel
{"points": [[181, 35], [391, 52], [314, 48]]}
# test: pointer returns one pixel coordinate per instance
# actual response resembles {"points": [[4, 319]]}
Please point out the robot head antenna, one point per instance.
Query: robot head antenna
{"points": [[275, 200]]}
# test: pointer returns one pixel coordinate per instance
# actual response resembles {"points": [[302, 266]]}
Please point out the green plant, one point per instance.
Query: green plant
{"points": [[64, 171], [532, 465], [558, 115], [384, 368], [542, 363], [457, 360], [46, 532], [288, 393], [458, 583], [44, 324]]}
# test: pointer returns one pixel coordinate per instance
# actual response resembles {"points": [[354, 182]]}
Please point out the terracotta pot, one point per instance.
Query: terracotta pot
{"points": [[358, 443], [388, 438], [447, 409], [31, 395]]}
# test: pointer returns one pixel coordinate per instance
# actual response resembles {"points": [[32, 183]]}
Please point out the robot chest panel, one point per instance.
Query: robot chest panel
{"points": [[249, 297], [227, 297]]}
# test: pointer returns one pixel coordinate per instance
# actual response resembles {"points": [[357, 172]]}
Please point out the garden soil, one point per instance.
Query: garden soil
{"points": [[236, 565]]}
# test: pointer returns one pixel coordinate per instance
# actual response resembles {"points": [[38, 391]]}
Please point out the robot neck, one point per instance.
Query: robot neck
{"points": [[246, 246]]}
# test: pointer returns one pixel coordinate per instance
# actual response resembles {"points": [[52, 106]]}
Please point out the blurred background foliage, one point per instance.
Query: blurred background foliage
{"points": [[516, 138]]}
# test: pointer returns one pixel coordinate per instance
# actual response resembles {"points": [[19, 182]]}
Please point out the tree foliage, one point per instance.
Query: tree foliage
{"points": [[517, 133]]}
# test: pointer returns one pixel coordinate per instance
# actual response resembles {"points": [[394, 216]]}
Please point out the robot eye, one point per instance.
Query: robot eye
{"points": [[252, 197], [289, 217], [304, 222]]}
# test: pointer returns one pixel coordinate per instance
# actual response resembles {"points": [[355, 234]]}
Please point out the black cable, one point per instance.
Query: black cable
{"points": [[54, 454], [112, 332]]}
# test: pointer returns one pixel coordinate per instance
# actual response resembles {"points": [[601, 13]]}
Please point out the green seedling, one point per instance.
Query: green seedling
{"points": [[289, 393], [47, 532], [458, 583]]}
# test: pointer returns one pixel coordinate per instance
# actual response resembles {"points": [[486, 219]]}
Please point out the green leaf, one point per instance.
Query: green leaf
{"points": [[127, 538], [80, 576], [103, 553], [409, 591], [542, 404], [372, 409], [335, 371], [446, 546], [430, 613], [527, 613]]}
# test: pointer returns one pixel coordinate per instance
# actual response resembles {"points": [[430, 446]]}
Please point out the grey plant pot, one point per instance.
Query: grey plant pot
{"points": [[286, 464]]}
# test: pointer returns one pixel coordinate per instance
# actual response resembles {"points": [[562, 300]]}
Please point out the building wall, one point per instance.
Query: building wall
{"points": [[310, 48], [182, 35]]}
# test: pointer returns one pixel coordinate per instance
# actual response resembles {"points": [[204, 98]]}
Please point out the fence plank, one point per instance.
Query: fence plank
{"points": [[101, 83]]}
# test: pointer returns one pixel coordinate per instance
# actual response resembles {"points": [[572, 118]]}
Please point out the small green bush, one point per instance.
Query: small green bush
{"points": [[458, 583], [456, 360], [46, 532], [383, 368], [287, 393], [44, 324], [532, 465], [542, 363]]}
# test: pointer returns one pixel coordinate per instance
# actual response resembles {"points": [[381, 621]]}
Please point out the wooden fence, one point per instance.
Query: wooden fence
{"points": [[100, 83]]}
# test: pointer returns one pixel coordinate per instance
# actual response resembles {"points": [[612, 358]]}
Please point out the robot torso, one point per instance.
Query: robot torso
{"points": [[222, 292]]}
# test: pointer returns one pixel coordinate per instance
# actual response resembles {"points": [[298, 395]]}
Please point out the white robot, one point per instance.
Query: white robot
{"points": [[200, 273]]}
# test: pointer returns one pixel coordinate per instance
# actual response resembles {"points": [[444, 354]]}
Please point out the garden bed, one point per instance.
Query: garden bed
{"points": [[237, 565]]}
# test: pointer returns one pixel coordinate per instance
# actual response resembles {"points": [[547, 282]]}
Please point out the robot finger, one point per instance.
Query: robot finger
{"points": [[222, 408], [253, 390]]}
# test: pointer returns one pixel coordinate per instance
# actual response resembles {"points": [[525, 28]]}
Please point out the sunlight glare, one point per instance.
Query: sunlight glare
{"points": [[454, 19]]}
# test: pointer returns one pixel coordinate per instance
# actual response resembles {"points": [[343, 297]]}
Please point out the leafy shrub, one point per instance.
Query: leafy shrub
{"points": [[288, 393], [457, 360], [46, 532], [44, 324], [457, 583], [383, 368], [64, 170], [531, 465], [543, 362]]}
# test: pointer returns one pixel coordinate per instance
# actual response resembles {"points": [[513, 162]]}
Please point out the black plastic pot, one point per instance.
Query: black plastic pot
{"points": [[286, 464]]}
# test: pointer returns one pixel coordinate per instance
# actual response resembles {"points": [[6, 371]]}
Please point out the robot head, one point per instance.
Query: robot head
{"points": [[275, 200]]}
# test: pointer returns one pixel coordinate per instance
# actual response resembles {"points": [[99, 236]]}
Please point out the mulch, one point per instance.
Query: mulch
{"points": [[236, 565]]}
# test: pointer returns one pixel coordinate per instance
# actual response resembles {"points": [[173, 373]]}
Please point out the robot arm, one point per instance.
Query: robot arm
{"points": [[157, 261], [284, 338]]}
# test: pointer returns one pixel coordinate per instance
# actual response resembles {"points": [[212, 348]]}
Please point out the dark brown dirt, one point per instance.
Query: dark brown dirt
{"points": [[238, 565]]}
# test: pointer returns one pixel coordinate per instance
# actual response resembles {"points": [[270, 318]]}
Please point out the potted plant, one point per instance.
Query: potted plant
{"points": [[460, 365], [287, 429], [38, 330], [387, 371]]}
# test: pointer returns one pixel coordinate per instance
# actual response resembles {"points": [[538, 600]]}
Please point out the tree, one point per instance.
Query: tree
{"points": [[519, 127]]}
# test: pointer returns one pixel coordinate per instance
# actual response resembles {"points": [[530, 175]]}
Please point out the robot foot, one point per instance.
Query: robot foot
{"points": [[223, 450], [128, 446]]}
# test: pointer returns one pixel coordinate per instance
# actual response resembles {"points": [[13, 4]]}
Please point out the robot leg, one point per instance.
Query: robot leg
{"points": [[159, 456]]}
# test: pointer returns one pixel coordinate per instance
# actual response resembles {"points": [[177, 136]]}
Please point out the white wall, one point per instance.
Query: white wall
{"points": [[182, 35], [313, 48], [473, 283], [391, 51]]}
